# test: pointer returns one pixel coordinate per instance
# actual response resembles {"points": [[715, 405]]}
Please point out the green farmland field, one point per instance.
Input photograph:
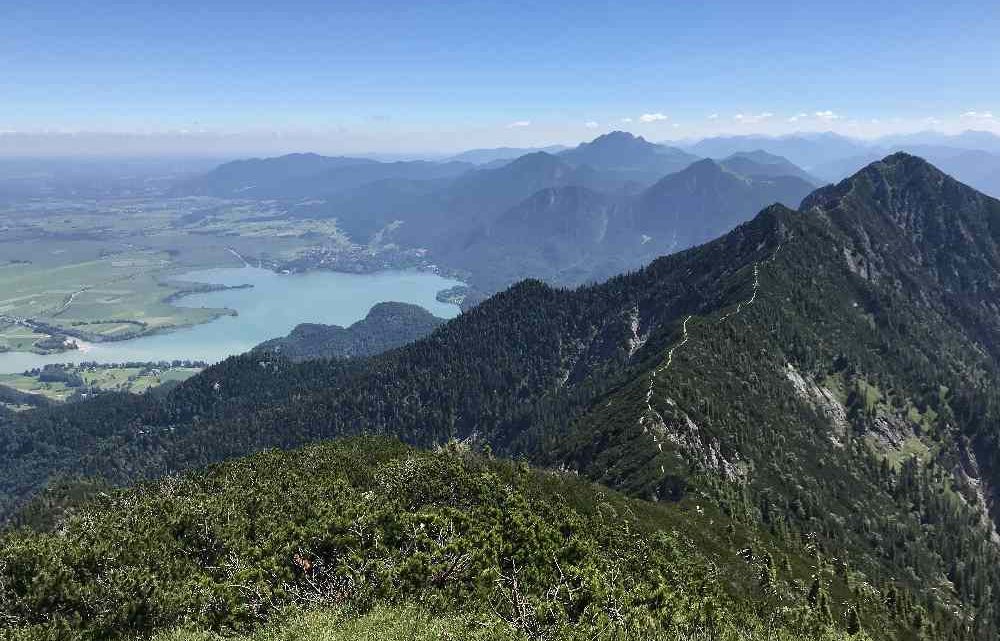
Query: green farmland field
{"points": [[109, 271]]}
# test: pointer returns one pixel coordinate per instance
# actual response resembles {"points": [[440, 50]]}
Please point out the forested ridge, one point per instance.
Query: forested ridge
{"points": [[386, 326], [835, 391]]}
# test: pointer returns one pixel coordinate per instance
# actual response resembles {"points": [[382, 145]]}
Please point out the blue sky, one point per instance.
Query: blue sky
{"points": [[425, 75]]}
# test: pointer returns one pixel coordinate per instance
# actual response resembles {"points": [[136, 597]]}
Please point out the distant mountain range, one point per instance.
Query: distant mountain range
{"points": [[303, 176], [972, 156], [977, 168], [971, 139], [500, 154], [570, 217], [573, 234], [805, 150]]}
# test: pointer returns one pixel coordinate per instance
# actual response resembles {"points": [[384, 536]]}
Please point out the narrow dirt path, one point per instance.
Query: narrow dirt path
{"points": [[651, 413], [232, 251], [69, 300]]}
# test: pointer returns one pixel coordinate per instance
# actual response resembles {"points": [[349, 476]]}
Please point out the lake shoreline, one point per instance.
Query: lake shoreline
{"points": [[255, 304], [461, 295]]}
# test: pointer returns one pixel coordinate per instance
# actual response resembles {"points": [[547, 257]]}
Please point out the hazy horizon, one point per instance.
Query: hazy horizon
{"points": [[207, 145]]}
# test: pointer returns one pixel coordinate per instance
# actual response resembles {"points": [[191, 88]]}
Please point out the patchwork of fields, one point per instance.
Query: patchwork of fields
{"points": [[64, 383], [109, 271]]}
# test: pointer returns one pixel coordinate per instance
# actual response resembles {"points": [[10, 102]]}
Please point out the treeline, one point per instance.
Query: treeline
{"points": [[39, 371]]}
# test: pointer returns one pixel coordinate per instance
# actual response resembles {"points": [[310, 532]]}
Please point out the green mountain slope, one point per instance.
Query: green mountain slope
{"points": [[487, 549], [855, 397], [385, 327], [824, 377]]}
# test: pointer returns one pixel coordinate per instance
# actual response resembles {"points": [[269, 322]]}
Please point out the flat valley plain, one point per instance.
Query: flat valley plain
{"points": [[107, 270], [85, 379]]}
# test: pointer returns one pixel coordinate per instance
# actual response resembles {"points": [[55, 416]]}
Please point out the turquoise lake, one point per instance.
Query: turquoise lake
{"points": [[272, 307]]}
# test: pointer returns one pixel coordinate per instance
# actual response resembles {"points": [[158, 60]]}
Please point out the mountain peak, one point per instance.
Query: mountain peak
{"points": [[903, 158], [534, 157], [619, 136], [703, 169], [883, 179], [535, 161], [630, 155], [902, 212], [762, 164], [703, 166], [618, 142], [902, 167]]}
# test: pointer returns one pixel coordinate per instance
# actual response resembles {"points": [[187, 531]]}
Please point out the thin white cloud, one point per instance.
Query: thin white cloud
{"points": [[753, 118], [713, 116], [827, 115], [590, 124], [652, 117], [676, 125], [518, 124], [625, 121], [798, 117], [977, 115]]}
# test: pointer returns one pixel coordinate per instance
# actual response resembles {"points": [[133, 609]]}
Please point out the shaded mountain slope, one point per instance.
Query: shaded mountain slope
{"points": [[385, 327], [364, 211], [337, 180], [260, 175], [309, 176], [759, 163], [706, 200], [559, 235], [440, 214], [490, 191], [501, 154], [971, 157], [573, 235]]}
